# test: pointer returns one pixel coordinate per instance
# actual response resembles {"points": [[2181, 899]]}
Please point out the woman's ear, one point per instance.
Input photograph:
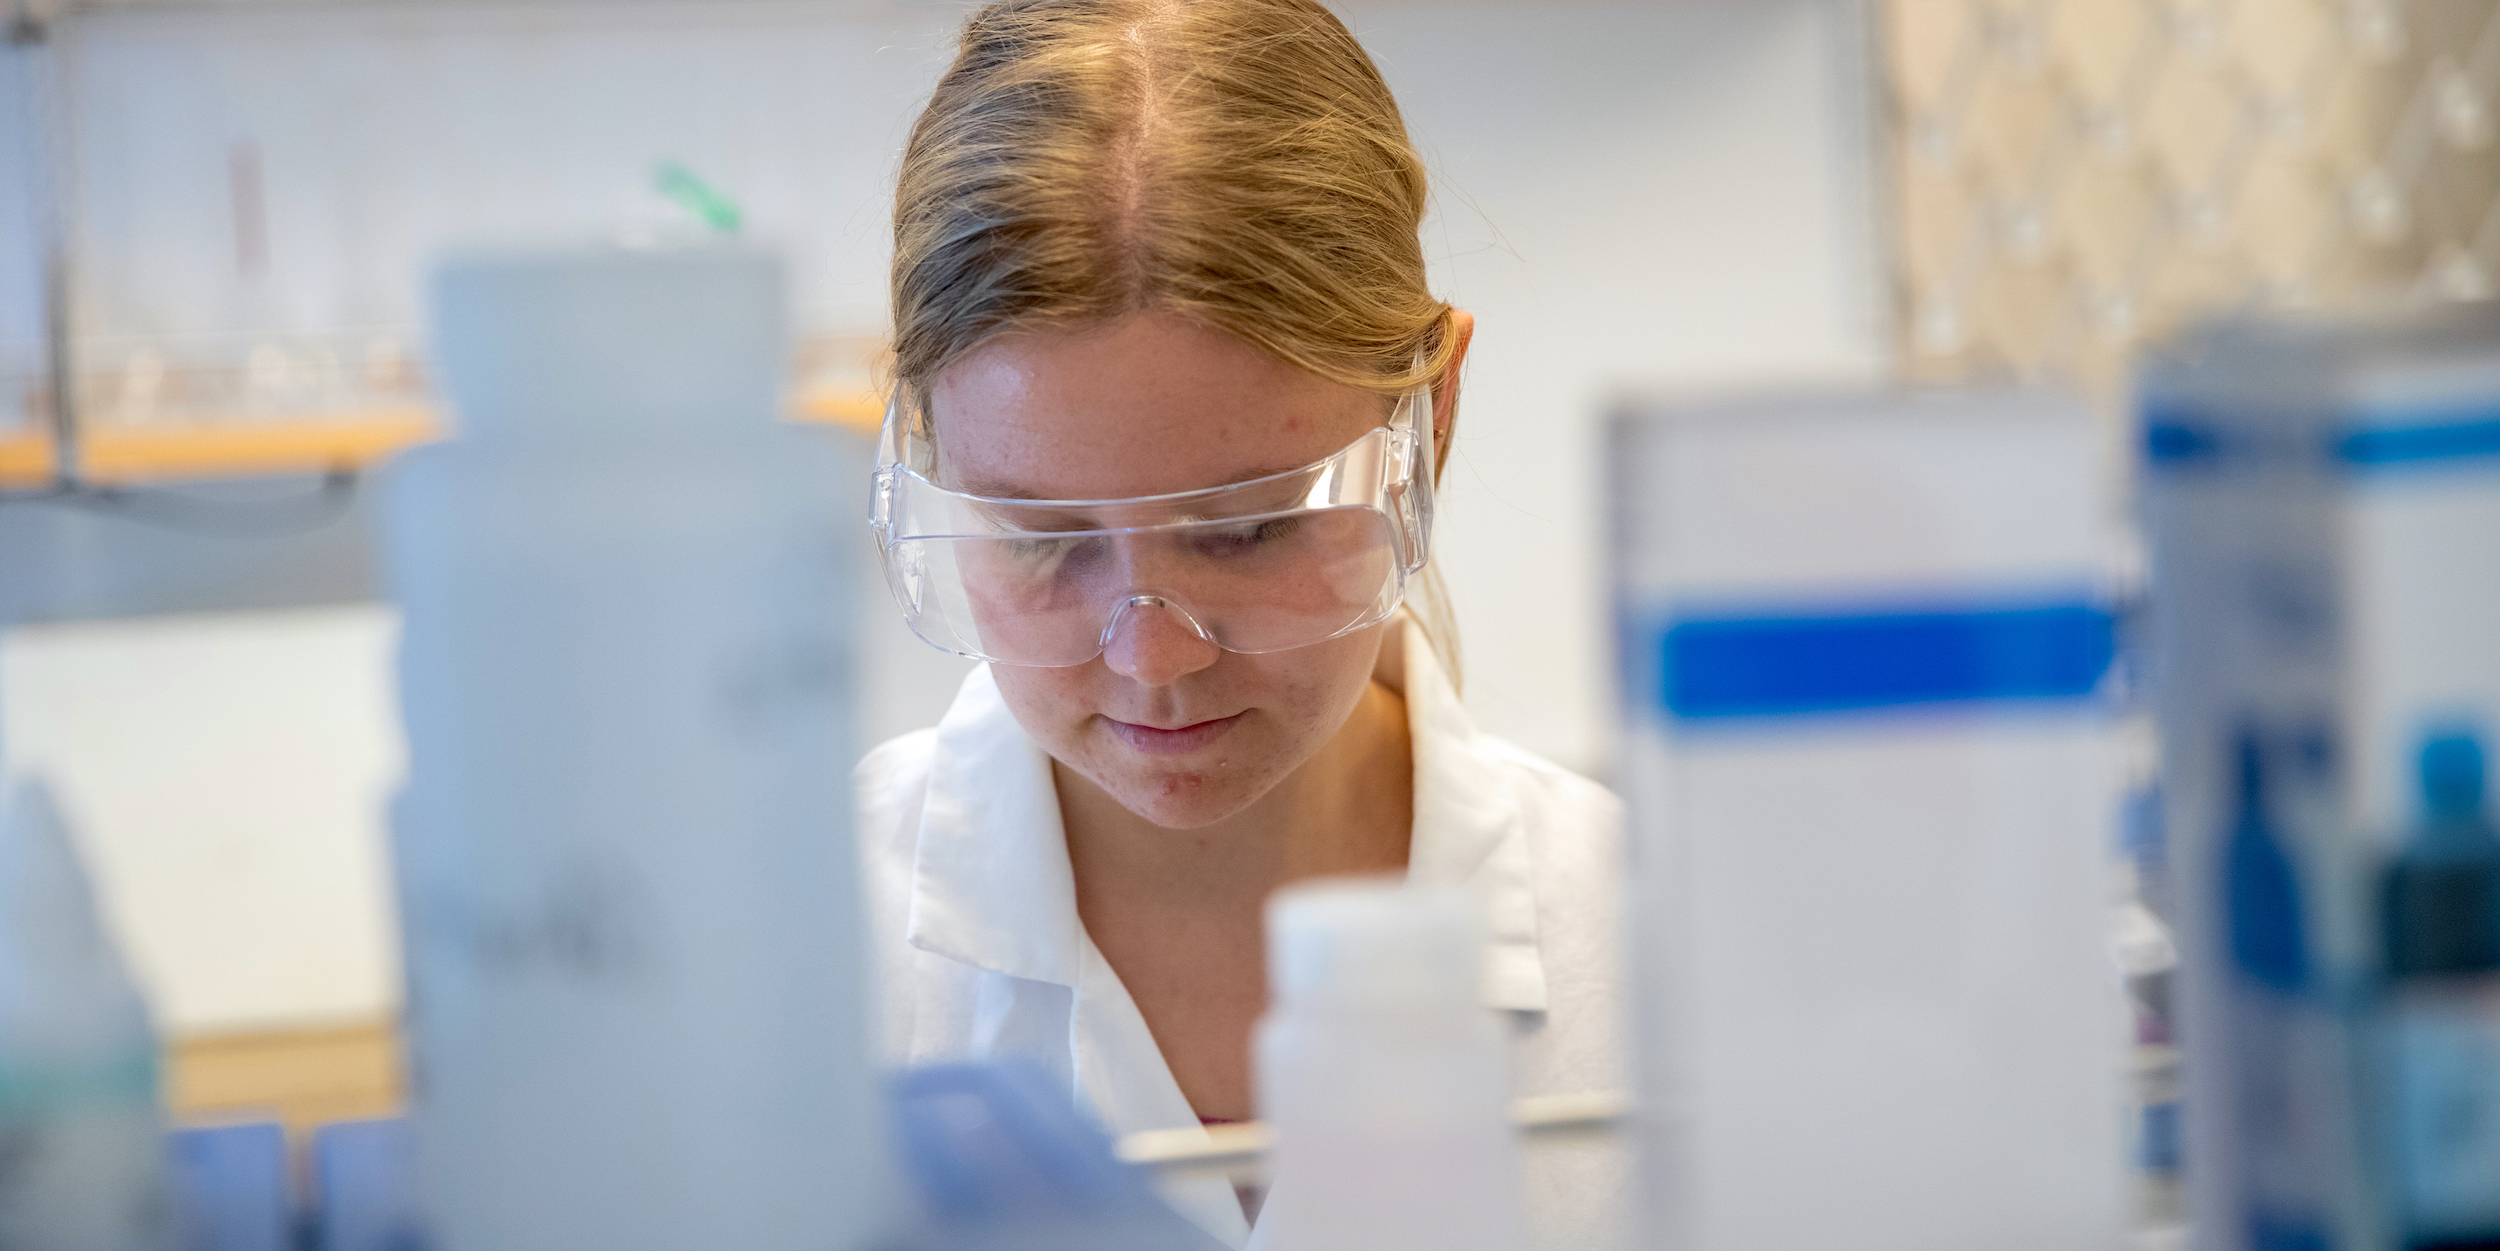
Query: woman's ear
{"points": [[1445, 390]]}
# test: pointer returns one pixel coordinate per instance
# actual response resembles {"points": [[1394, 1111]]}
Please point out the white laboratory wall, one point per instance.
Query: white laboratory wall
{"points": [[226, 775], [1628, 196], [292, 168]]}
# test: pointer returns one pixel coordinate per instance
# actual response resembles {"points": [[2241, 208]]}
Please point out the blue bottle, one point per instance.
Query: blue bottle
{"points": [[2280, 1031], [2441, 911]]}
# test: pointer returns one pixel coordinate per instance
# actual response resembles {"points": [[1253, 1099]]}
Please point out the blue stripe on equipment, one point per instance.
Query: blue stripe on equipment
{"points": [[1840, 662], [2412, 445], [2177, 443]]}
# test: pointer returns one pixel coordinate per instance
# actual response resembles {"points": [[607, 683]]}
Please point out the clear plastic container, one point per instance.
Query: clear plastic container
{"points": [[1384, 1076]]}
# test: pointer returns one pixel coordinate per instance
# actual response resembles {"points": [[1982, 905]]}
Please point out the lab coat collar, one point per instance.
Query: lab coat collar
{"points": [[1468, 827], [992, 886]]}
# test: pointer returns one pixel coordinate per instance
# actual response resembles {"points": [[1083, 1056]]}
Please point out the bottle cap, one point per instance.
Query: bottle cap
{"points": [[569, 343], [2452, 774], [1375, 941]]}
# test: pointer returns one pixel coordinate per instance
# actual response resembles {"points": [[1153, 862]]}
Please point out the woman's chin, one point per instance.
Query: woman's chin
{"points": [[1182, 798]]}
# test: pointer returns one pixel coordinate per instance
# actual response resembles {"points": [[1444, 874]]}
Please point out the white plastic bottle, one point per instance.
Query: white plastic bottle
{"points": [[637, 986], [81, 1139], [1384, 1076]]}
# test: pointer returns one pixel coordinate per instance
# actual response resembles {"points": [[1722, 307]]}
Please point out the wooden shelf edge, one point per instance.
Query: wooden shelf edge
{"points": [[118, 456], [25, 459], [303, 1076]]}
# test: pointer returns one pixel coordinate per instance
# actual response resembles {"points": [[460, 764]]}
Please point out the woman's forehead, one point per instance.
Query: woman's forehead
{"points": [[1149, 405]]}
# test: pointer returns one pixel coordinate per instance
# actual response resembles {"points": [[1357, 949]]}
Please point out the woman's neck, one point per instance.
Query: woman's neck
{"points": [[1179, 914]]}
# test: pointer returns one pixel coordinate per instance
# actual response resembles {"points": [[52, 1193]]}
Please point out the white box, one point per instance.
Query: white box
{"points": [[1872, 790]]}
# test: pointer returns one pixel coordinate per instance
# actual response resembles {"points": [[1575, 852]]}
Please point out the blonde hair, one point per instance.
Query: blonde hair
{"points": [[1237, 162]]}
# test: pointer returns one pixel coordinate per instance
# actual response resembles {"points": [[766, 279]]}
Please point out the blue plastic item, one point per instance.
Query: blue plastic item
{"points": [[998, 1156], [230, 1188], [1002, 1158], [364, 1196], [2269, 941], [2158, 1138]]}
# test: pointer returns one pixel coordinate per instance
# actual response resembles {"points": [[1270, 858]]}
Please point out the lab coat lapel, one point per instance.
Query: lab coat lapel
{"points": [[991, 883], [1468, 830], [1121, 1073], [992, 888]]}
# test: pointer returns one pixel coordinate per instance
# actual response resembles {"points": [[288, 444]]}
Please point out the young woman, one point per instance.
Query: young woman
{"points": [[1170, 396]]}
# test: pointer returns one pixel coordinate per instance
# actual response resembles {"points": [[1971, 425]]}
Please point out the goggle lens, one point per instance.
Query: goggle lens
{"points": [[1252, 584], [1262, 566]]}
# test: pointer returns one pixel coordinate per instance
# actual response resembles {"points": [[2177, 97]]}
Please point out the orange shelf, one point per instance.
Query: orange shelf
{"points": [[345, 441], [862, 411], [305, 1077], [25, 459]]}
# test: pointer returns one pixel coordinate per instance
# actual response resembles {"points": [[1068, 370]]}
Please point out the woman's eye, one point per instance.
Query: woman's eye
{"points": [[1045, 552], [1247, 537]]}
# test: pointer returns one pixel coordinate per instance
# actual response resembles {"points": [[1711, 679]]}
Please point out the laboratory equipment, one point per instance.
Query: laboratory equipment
{"points": [[2280, 1024], [2439, 907], [364, 1196], [1871, 777], [1383, 1075], [230, 1188], [638, 994], [995, 1157], [82, 1155], [2322, 499], [1003, 1160]]}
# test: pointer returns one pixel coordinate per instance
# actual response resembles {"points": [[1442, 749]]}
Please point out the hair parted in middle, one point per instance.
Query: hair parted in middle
{"points": [[1238, 162]]}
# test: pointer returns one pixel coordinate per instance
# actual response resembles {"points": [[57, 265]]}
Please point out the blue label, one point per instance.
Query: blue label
{"points": [[2172, 439], [2177, 438], [1847, 661], [2471, 434]]}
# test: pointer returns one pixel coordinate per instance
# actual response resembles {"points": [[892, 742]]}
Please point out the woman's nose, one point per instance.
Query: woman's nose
{"points": [[1154, 642]]}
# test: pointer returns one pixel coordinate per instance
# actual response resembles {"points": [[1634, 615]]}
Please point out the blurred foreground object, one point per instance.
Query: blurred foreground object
{"points": [[1004, 1160], [997, 1157], [1872, 784], [1384, 1076], [2440, 913], [81, 1141], [230, 1187], [637, 991], [2323, 495]]}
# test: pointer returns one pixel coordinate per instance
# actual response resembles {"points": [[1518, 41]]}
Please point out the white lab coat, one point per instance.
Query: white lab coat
{"points": [[981, 953]]}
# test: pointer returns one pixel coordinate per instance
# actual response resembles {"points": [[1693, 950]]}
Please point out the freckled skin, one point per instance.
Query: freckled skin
{"points": [[1147, 406]]}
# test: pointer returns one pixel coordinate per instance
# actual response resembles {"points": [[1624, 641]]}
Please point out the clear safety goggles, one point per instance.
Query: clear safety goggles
{"points": [[1261, 566]]}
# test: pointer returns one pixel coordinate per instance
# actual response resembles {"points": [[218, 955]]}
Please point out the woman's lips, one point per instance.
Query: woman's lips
{"points": [[1177, 742]]}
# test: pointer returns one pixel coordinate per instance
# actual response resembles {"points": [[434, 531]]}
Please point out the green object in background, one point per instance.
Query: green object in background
{"points": [[680, 184]]}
